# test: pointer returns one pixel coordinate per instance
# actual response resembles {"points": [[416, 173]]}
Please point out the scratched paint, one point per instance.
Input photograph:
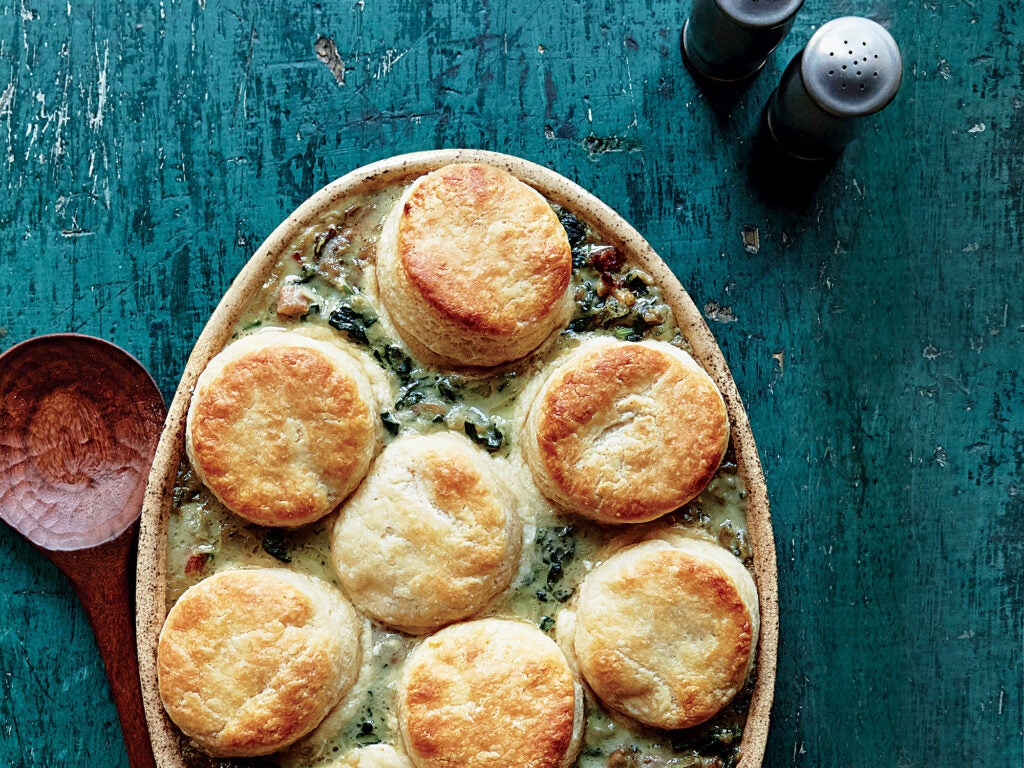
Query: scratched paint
{"points": [[876, 334]]}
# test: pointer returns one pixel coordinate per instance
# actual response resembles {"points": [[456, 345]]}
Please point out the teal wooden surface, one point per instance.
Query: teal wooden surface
{"points": [[876, 334]]}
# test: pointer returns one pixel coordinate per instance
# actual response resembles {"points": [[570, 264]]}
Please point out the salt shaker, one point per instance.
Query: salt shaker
{"points": [[849, 69], [730, 40]]}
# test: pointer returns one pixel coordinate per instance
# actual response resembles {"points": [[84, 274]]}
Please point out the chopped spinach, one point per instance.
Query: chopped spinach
{"points": [[575, 230], [187, 489], [448, 388], [557, 549], [410, 395], [275, 546], [394, 358], [354, 323], [715, 744], [580, 257], [595, 312], [489, 436], [637, 282]]}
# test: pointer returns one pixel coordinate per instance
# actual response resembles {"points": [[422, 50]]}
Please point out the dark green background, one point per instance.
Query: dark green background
{"points": [[877, 336]]}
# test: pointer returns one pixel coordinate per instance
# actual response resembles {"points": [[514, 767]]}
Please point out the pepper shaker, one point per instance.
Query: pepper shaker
{"points": [[730, 40], [849, 69]]}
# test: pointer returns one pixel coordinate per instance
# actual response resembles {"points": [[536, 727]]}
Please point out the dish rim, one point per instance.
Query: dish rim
{"points": [[151, 608]]}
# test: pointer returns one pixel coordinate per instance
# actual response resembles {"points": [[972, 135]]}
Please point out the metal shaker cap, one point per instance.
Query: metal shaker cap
{"points": [[852, 67], [849, 69], [730, 40], [759, 14]]}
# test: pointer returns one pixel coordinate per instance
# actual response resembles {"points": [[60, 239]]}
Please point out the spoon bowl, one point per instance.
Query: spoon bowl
{"points": [[79, 423]]}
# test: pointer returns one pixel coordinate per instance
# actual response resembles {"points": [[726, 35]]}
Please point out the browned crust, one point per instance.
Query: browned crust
{"points": [[665, 636], [454, 485], [626, 433], [430, 537], [483, 249], [245, 666], [484, 693], [277, 464]]}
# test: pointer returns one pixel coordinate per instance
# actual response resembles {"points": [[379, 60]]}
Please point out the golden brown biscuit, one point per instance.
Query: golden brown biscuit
{"points": [[282, 427], [666, 629], [473, 267], [250, 661], [624, 432], [430, 537], [489, 692]]}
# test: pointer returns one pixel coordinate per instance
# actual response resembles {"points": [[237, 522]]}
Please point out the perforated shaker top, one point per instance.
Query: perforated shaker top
{"points": [[852, 66]]}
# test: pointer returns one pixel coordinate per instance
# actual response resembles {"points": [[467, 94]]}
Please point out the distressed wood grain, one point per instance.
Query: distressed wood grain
{"points": [[876, 330]]}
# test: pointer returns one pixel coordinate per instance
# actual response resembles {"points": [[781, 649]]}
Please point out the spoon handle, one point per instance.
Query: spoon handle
{"points": [[103, 580]]}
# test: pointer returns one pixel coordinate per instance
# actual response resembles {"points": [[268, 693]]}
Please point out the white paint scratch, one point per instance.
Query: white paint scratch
{"points": [[75, 678], [780, 371], [391, 57], [33, 130], [75, 231], [6, 111], [629, 80], [6, 100], [63, 111], [719, 313], [96, 119]]}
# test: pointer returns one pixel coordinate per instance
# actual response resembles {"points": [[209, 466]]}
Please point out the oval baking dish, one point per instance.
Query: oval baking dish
{"points": [[249, 292]]}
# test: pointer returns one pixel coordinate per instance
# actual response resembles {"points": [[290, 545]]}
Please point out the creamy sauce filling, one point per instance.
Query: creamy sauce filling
{"points": [[323, 283]]}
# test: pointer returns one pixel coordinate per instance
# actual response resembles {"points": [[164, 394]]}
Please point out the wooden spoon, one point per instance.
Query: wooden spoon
{"points": [[79, 423]]}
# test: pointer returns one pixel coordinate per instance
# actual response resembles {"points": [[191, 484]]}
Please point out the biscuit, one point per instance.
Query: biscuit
{"points": [[489, 692], [624, 432], [430, 537], [282, 427], [473, 267], [249, 661], [666, 629], [372, 756]]}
